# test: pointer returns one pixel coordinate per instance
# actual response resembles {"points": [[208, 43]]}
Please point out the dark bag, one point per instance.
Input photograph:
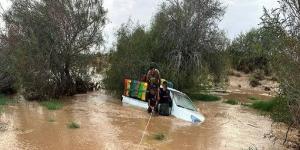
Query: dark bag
{"points": [[164, 109]]}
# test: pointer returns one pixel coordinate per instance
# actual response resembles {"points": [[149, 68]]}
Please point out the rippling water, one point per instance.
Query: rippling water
{"points": [[107, 124]]}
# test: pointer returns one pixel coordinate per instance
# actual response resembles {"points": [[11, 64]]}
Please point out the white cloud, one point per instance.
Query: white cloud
{"points": [[242, 15], [120, 11], [4, 5]]}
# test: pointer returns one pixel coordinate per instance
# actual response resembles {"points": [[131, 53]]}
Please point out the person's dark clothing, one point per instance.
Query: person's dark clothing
{"points": [[152, 99], [165, 97]]}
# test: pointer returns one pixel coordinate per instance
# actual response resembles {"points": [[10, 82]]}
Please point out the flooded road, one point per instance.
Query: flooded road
{"points": [[106, 124]]}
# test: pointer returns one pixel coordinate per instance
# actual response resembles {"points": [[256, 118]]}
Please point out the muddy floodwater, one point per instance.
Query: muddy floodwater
{"points": [[107, 124]]}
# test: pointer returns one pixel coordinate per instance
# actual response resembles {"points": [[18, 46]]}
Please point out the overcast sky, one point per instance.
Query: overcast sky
{"points": [[240, 16]]}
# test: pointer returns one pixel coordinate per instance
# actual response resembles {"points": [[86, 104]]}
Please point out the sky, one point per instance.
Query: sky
{"points": [[240, 16]]}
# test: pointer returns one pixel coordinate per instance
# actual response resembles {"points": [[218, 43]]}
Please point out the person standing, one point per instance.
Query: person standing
{"points": [[153, 76], [165, 101], [164, 94], [152, 101], [153, 79]]}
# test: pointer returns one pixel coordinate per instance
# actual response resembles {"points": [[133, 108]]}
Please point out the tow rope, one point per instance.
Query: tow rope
{"points": [[145, 130]]}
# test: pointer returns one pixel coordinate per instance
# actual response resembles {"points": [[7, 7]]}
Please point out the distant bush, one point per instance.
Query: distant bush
{"points": [[73, 125], [281, 111], [3, 100], [254, 82], [276, 107], [231, 102], [253, 98], [249, 51], [51, 120], [52, 105], [266, 106], [159, 136], [204, 97], [1, 109], [232, 73], [259, 75]]}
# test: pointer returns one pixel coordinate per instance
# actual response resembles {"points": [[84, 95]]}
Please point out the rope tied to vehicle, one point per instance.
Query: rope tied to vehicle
{"points": [[144, 132]]}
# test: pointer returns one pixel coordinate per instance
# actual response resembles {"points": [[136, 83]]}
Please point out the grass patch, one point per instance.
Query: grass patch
{"points": [[232, 102], [277, 108], [1, 109], [204, 97], [73, 125], [159, 136], [3, 100], [280, 111], [52, 105], [266, 106], [253, 98], [51, 120]]}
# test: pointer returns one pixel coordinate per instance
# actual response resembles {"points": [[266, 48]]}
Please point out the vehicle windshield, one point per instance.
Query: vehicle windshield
{"points": [[183, 101]]}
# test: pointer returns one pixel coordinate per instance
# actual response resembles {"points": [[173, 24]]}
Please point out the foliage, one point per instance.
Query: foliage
{"points": [[52, 104], [204, 97], [50, 44], [130, 59], [254, 82], [183, 40], [251, 51], [1, 109], [281, 111], [253, 98], [266, 106], [277, 107], [3, 100], [73, 125], [232, 102], [7, 80], [284, 23], [259, 75], [51, 120], [159, 136]]}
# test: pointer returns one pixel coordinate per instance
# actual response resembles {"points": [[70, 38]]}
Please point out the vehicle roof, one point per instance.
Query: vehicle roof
{"points": [[174, 90]]}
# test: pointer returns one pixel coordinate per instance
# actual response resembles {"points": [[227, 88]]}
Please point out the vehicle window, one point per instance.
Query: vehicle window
{"points": [[183, 101]]}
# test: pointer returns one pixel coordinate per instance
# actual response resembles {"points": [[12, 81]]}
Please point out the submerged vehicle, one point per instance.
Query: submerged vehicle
{"points": [[182, 108]]}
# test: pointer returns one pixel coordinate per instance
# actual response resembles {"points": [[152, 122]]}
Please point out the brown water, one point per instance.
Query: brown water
{"points": [[107, 124]]}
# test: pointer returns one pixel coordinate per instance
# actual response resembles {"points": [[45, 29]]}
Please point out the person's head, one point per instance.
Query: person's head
{"points": [[152, 66], [165, 84]]}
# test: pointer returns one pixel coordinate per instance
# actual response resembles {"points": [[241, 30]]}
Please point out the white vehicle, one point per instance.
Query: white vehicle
{"points": [[183, 108]]}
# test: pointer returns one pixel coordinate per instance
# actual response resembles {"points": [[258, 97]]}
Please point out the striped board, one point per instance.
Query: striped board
{"points": [[135, 89]]}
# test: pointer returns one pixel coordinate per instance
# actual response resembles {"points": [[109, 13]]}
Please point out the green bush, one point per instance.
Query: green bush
{"points": [[254, 82], [232, 102], [276, 107], [51, 120], [253, 98], [281, 111], [73, 125], [204, 97], [266, 106], [259, 75], [159, 136], [1, 109], [52, 105], [3, 100]]}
